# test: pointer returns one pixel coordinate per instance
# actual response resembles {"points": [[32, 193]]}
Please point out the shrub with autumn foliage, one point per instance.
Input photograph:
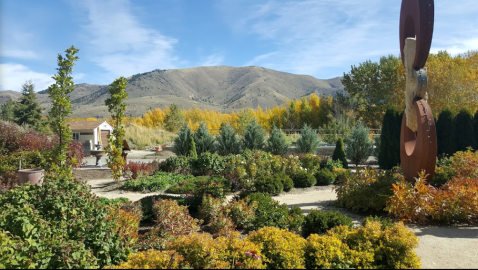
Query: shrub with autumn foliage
{"points": [[173, 219]]}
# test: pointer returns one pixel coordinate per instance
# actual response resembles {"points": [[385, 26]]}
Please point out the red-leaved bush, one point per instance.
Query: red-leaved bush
{"points": [[137, 168]]}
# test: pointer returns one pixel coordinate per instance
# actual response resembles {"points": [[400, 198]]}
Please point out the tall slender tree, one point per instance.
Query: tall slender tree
{"points": [[445, 128], [61, 107], [389, 152], [117, 107], [464, 131]]}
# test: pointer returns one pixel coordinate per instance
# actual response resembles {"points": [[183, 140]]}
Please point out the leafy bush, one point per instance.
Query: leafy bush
{"points": [[310, 161], [277, 143], [110, 202], [339, 153], [208, 187], [464, 164], [254, 136], [453, 202], [30, 160], [319, 222], [175, 165], [330, 164], [359, 147], [308, 141], [188, 185], [281, 248], [222, 225], [366, 191], [207, 164], [204, 141], [303, 179], [210, 208], [173, 219], [182, 142], [139, 169], [147, 205], [269, 185], [227, 142], [241, 213], [384, 221], [152, 259], [324, 177], [441, 176], [286, 181], [64, 221], [159, 181]]}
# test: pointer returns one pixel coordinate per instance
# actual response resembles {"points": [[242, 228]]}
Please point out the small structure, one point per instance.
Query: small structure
{"points": [[90, 134]]}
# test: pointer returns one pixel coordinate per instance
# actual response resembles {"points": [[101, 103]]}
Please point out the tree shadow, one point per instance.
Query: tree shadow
{"points": [[465, 232]]}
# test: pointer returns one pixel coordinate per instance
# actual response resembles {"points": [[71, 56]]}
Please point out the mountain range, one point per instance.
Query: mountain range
{"points": [[221, 88]]}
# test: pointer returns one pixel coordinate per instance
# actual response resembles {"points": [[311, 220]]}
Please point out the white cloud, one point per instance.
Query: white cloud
{"points": [[121, 45], [213, 60], [16, 53], [13, 75]]}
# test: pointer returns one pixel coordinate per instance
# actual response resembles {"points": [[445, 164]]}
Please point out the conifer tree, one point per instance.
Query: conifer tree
{"points": [[464, 131], [192, 148], [389, 152], [27, 110], [445, 128], [204, 141], [339, 153], [8, 111], [227, 142], [308, 141], [182, 141], [277, 142], [359, 147], [61, 108], [254, 136]]}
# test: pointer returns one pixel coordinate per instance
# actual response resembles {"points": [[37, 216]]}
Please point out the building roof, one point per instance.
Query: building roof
{"points": [[82, 125]]}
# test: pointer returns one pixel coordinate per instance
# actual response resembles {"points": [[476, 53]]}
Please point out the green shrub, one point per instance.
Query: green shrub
{"points": [[52, 208], [339, 153], [217, 189], [366, 191], [182, 142], [204, 141], [173, 219], [324, 177], [30, 160], [147, 205], [227, 142], [286, 181], [175, 165], [207, 164], [308, 141], [303, 179], [320, 222], [242, 213], [330, 164], [359, 147], [188, 185], [310, 161], [115, 201], [277, 143], [159, 181], [384, 221], [442, 176], [210, 208], [269, 185], [445, 130], [389, 149], [464, 132], [192, 148], [254, 136]]}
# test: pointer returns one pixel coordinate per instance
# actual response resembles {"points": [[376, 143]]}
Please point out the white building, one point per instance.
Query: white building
{"points": [[91, 133]]}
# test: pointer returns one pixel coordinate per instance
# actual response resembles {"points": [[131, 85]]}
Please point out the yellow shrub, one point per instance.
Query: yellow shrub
{"points": [[242, 253], [152, 259], [328, 252], [282, 248]]}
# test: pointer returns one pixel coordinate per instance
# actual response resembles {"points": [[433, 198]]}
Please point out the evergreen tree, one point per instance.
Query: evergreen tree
{"points": [[227, 142], [8, 111], [339, 153], [182, 142], [389, 152], [174, 120], [28, 111], [359, 147], [445, 128], [254, 136], [116, 106], [192, 148], [61, 108], [475, 128], [464, 132], [204, 141], [277, 142], [308, 141]]}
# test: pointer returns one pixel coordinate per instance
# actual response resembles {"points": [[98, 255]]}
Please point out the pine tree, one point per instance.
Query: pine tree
{"points": [[192, 148], [28, 111], [8, 111], [174, 120], [359, 147], [464, 132], [445, 128], [308, 141], [254, 136], [339, 153], [204, 141], [227, 142], [182, 142], [277, 142], [389, 152]]}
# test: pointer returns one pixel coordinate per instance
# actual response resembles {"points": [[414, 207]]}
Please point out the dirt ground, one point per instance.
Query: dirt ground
{"points": [[441, 247]]}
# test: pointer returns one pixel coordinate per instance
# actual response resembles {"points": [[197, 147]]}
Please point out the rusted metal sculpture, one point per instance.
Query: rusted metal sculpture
{"points": [[418, 141]]}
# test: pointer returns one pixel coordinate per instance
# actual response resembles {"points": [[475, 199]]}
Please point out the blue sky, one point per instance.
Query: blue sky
{"points": [[321, 38]]}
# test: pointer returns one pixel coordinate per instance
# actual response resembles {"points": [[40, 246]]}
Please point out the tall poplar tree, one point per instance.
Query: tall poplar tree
{"points": [[61, 107]]}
